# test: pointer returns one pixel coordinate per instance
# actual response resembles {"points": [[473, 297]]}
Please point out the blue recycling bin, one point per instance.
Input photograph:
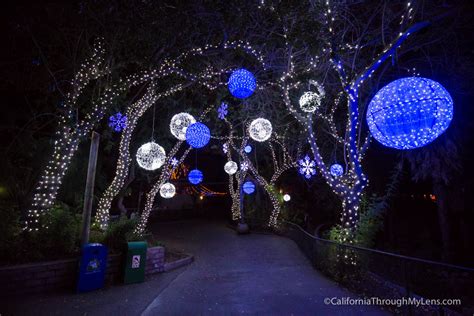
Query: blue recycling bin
{"points": [[92, 267]]}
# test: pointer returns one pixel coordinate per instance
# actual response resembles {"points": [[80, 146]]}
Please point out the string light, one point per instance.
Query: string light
{"points": [[198, 135], [260, 129], [409, 113], [167, 190], [242, 83], [180, 123]]}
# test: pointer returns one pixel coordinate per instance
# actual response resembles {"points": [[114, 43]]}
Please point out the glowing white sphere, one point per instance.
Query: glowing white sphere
{"points": [[230, 167], [151, 156], [179, 124], [260, 129], [286, 197], [167, 190], [309, 101]]}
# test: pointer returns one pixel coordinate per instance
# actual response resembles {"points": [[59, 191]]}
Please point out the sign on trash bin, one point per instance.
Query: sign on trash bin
{"points": [[135, 262], [92, 267]]}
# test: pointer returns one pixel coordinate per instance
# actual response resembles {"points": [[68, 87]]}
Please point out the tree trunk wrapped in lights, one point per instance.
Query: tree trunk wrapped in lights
{"points": [[71, 131]]}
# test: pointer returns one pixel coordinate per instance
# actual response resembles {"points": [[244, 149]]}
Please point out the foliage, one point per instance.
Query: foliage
{"points": [[119, 233], [60, 240], [371, 213]]}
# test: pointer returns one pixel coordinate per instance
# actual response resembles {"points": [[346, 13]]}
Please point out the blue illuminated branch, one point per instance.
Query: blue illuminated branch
{"points": [[389, 52]]}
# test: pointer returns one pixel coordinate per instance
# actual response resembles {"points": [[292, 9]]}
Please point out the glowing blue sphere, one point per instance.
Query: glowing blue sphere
{"points": [[198, 135], [195, 176], [336, 170], [409, 113], [248, 149], [242, 83], [248, 187]]}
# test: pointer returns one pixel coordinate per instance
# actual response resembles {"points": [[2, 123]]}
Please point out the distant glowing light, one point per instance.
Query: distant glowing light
{"points": [[198, 135], [286, 197], [248, 187], [409, 113], [242, 83], [260, 129], [248, 149], [195, 176], [151, 156]]}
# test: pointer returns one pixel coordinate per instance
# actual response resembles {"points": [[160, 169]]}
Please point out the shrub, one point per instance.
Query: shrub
{"points": [[119, 233]]}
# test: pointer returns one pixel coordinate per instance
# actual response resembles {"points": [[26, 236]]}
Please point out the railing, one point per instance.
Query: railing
{"points": [[375, 273]]}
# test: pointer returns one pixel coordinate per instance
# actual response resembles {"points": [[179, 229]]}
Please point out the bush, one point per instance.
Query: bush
{"points": [[10, 232], [119, 233]]}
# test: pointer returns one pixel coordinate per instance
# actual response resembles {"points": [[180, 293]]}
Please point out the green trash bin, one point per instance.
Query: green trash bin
{"points": [[135, 262]]}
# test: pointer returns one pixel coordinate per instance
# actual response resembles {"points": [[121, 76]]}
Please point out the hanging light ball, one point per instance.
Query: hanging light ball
{"points": [[195, 176], [198, 135], [167, 190], [230, 167], [286, 197], [180, 123], [248, 149], [309, 101], [151, 156], [409, 113], [242, 83], [260, 129], [336, 170], [248, 187]]}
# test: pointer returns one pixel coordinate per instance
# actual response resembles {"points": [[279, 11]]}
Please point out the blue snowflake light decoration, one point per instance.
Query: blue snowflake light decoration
{"points": [[242, 83], [222, 111], [336, 170], [244, 166], [248, 149], [409, 113], [307, 167], [248, 187], [195, 176], [198, 135], [118, 122]]}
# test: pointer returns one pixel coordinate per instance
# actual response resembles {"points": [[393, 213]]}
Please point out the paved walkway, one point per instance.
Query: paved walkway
{"points": [[232, 275], [251, 275]]}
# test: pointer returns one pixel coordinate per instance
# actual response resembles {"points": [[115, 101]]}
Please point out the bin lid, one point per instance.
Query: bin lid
{"points": [[93, 245], [137, 245]]}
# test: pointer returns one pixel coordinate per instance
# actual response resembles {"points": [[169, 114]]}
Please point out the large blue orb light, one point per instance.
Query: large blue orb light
{"points": [[195, 176], [409, 113], [248, 187], [242, 83], [198, 135]]}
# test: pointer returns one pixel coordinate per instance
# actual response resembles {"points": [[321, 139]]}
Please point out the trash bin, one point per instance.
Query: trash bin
{"points": [[135, 262], [92, 267]]}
